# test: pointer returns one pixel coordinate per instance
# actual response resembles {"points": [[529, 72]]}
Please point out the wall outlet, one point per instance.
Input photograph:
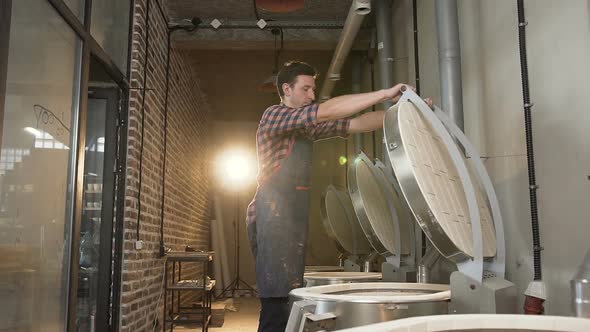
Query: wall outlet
{"points": [[138, 245]]}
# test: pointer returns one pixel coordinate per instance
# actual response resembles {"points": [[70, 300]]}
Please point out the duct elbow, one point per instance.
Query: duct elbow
{"points": [[368, 260], [358, 10], [426, 264], [362, 7]]}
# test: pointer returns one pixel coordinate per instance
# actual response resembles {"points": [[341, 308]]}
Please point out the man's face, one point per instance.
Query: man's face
{"points": [[302, 93]]}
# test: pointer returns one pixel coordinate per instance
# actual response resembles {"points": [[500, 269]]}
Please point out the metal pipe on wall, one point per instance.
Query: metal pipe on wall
{"points": [[358, 10], [384, 53], [449, 59], [359, 139]]}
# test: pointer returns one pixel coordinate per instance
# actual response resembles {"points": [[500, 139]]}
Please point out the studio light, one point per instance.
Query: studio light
{"points": [[235, 168]]}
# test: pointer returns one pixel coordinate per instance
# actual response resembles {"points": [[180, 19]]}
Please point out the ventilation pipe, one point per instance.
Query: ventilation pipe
{"points": [[416, 55], [358, 10], [359, 141], [449, 59], [384, 54]]}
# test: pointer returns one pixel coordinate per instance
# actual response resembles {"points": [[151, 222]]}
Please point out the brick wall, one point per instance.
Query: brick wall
{"points": [[187, 180]]}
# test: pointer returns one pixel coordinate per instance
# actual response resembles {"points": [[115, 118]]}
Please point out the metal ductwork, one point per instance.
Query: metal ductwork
{"points": [[449, 59], [385, 54], [358, 10], [358, 138]]}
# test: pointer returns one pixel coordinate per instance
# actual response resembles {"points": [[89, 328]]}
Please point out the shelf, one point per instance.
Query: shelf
{"points": [[180, 320], [177, 314], [93, 192], [191, 285], [92, 209], [196, 256]]}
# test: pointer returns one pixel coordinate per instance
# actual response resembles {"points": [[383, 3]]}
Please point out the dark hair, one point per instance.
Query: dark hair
{"points": [[289, 72]]}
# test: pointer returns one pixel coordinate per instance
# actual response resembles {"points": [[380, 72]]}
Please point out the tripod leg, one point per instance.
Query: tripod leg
{"points": [[248, 287], [232, 285]]}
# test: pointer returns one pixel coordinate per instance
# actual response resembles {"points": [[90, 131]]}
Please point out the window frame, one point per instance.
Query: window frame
{"points": [[89, 49]]}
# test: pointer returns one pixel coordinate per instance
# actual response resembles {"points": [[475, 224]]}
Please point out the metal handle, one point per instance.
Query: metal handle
{"points": [[303, 318]]}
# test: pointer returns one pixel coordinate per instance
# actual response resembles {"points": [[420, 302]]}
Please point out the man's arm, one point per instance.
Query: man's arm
{"points": [[344, 106], [281, 120], [372, 120], [366, 122]]}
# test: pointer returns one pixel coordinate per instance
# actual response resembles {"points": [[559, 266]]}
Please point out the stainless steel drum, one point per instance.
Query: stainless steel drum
{"points": [[332, 278], [480, 323], [357, 304]]}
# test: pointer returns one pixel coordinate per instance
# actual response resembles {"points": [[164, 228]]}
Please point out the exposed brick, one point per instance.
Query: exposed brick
{"points": [[187, 179]]}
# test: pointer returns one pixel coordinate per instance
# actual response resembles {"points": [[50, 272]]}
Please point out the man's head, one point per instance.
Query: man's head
{"points": [[296, 84]]}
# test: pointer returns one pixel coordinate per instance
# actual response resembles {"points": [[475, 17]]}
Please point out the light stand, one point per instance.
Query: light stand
{"points": [[235, 284]]}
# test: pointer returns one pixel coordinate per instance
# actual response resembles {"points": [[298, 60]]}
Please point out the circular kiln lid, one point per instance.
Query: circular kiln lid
{"points": [[323, 268], [341, 223], [374, 205], [343, 275], [376, 292], [430, 181]]}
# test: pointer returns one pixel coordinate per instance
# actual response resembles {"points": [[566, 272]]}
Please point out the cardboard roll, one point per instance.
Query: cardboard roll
{"points": [[341, 223], [426, 161]]}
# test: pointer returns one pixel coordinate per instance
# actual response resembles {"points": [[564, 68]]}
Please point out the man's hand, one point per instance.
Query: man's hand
{"points": [[395, 92]]}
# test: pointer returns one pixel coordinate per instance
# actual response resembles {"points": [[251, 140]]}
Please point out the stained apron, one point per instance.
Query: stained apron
{"points": [[279, 235]]}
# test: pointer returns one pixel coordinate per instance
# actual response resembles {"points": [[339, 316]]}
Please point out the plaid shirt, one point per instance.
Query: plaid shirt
{"points": [[276, 134]]}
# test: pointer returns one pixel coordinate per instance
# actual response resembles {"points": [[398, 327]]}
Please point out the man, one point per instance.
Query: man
{"points": [[278, 216]]}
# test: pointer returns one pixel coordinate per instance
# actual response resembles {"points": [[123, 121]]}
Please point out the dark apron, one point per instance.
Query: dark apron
{"points": [[279, 235]]}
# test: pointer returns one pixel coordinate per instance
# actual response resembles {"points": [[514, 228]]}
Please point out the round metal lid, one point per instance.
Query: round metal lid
{"points": [[341, 223], [441, 197], [374, 207], [368, 276], [323, 268], [375, 292], [406, 221]]}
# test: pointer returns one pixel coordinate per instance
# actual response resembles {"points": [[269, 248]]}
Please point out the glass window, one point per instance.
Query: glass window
{"points": [[110, 28], [77, 7], [37, 154]]}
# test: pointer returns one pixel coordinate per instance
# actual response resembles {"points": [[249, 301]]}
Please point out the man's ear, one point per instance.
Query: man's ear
{"points": [[286, 89]]}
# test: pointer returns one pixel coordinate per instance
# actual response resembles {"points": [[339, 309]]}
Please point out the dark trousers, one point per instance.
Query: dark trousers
{"points": [[274, 314]]}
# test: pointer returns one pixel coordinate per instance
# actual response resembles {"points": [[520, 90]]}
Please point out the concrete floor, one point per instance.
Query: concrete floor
{"points": [[245, 319]]}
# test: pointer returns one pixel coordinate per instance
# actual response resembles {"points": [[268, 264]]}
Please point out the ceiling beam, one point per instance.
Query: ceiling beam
{"points": [[252, 39]]}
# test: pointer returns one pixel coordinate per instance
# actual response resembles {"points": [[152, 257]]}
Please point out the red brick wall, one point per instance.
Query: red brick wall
{"points": [[187, 180]]}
